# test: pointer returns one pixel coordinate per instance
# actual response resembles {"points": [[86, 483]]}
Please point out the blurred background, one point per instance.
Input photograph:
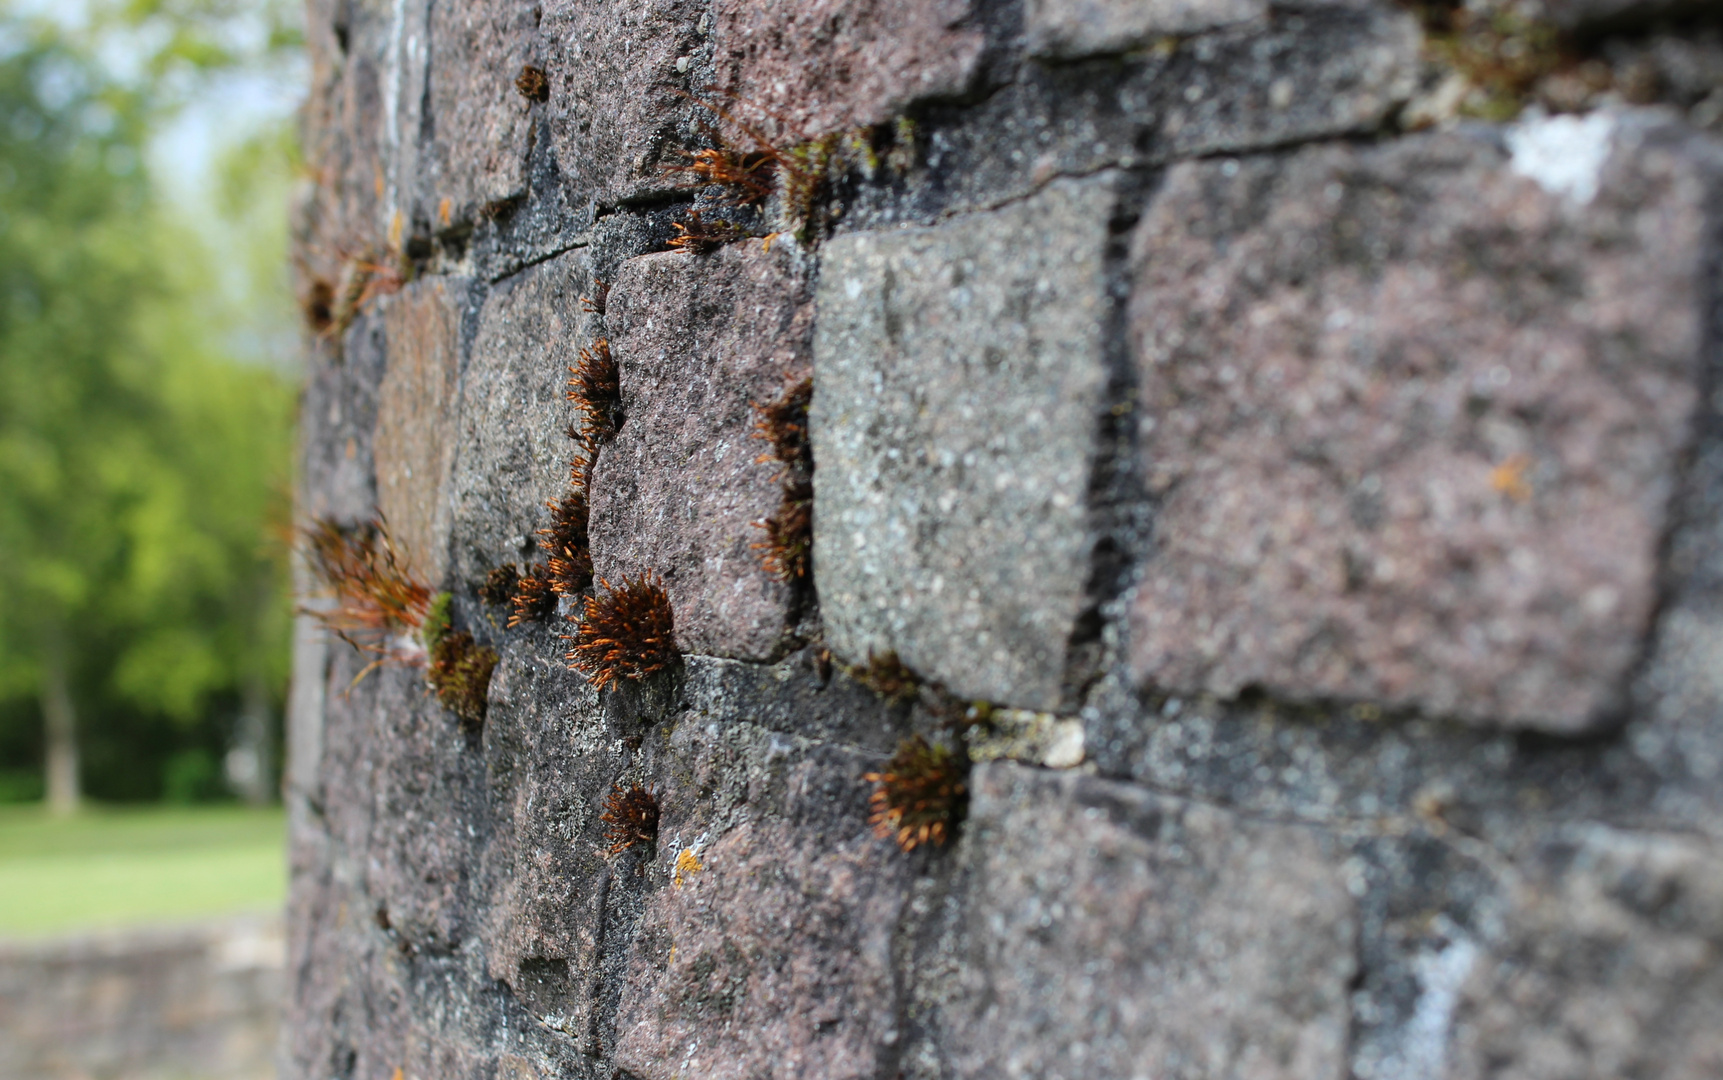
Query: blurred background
{"points": [[148, 382]]}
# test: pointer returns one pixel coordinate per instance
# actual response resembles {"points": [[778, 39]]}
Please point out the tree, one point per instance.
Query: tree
{"points": [[139, 467]]}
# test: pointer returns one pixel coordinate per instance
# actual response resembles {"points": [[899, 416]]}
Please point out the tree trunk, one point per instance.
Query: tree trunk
{"points": [[254, 743], [61, 722]]}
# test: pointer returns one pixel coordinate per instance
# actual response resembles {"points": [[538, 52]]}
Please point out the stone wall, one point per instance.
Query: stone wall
{"points": [[1280, 441], [194, 1003]]}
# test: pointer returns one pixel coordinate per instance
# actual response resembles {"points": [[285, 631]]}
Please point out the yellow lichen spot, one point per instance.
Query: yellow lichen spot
{"points": [[1509, 478], [687, 863], [395, 231], [398, 1073], [443, 210], [766, 241]]}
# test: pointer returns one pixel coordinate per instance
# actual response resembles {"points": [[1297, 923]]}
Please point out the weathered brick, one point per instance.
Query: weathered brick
{"points": [[768, 954], [1414, 417], [697, 340], [1105, 928], [831, 65], [416, 435], [958, 380], [514, 451]]}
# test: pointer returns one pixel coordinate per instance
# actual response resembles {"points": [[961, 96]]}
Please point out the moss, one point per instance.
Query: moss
{"points": [[886, 676], [460, 674], [436, 621], [500, 584], [919, 797], [360, 566], [625, 632], [630, 818]]}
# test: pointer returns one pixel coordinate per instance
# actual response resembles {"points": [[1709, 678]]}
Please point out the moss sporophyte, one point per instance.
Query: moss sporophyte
{"points": [[624, 632], [919, 797]]}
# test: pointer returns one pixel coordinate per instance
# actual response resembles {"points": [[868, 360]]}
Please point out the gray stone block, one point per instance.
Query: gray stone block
{"points": [[479, 125], [1609, 967], [958, 381], [416, 433], [767, 950], [514, 454], [1415, 414], [783, 57], [1111, 933]]}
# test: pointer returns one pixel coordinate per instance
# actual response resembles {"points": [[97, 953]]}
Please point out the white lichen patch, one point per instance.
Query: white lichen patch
{"points": [[1564, 154], [1022, 735]]}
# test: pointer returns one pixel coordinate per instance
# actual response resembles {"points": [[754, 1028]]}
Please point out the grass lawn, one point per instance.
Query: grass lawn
{"points": [[111, 867]]}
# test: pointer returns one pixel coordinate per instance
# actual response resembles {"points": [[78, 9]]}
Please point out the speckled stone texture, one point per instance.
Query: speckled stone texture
{"points": [[1108, 932], [481, 127], [1414, 421], [833, 65], [774, 957], [615, 90], [698, 340], [514, 452], [1071, 28], [958, 374], [1609, 967]]}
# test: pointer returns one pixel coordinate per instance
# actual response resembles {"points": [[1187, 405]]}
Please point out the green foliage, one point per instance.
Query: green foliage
{"points": [[191, 776], [143, 472]]}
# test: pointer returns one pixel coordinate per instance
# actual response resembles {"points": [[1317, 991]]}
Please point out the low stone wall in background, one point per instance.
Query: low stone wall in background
{"points": [[195, 1003]]}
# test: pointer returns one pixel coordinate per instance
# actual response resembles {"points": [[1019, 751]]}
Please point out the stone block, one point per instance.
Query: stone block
{"points": [[697, 340], [1109, 932], [1413, 415], [768, 953], [832, 65], [514, 453], [616, 90], [415, 442], [546, 881], [479, 124], [1072, 28], [959, 380], [1609, 967]]}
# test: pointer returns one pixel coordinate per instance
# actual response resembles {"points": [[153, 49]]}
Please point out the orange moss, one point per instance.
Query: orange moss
{"points": [[919, 797], [630, 817], [376, 595], [625, 632]]}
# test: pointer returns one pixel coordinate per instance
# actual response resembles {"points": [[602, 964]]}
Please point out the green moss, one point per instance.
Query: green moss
{"points": [[460, 673], [436, 621]]}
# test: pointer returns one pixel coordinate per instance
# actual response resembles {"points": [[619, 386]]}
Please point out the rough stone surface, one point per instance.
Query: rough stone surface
{"points": [[1107, 929], [416, 438], [616, 91], [834, 65], [1610, 966], [697, 341], [958, 374], [481, 127], [1414, 418], [1070, 28], [774, 957], [1256, 796], [514, 453]]}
